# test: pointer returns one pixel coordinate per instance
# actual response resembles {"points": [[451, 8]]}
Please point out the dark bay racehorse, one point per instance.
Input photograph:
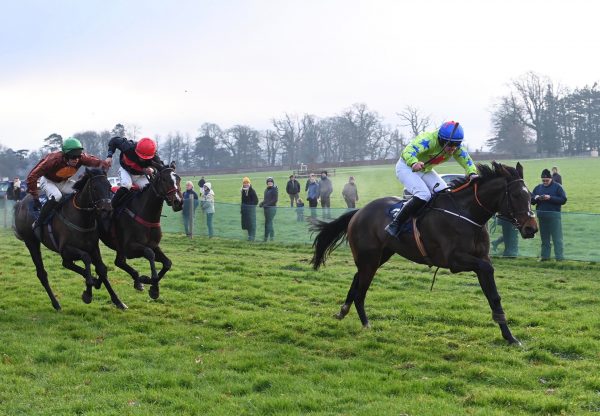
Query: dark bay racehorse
{"points": [[73, 233], [453, 234], [134, 230]]}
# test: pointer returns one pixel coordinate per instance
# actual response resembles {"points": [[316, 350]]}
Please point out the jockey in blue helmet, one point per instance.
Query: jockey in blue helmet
{"points": [[415, 167]]}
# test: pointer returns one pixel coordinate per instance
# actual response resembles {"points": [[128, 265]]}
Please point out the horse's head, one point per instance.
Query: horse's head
{"points": [[94, 192], [515, 205], [167, 185]]}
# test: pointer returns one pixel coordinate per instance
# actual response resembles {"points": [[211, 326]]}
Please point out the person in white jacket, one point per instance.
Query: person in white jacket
{"points": [[207, 204]]}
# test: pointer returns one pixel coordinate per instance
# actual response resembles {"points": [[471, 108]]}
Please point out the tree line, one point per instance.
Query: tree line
{"points": [[536, 117], [541, 117]]}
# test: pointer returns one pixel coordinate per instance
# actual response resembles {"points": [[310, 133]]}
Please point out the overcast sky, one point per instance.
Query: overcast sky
{"points": [[166, 66]]}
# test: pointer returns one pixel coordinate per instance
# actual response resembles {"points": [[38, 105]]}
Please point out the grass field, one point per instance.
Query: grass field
{"points": [[247, 329]]}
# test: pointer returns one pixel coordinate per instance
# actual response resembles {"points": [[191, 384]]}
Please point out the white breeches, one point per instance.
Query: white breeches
{"points": [[127, 179], [56, 189], [419, 184]]}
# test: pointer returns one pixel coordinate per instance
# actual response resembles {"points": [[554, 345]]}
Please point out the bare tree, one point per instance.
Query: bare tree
{"points": [[413, 118]]}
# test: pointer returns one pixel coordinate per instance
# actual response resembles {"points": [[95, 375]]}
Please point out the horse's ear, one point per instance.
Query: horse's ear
{"points": [[520, 170], [172, 165]]}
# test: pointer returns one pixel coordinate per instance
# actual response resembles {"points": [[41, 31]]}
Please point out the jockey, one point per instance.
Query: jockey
{"points": [[415, 167], [54, 172], [137, 160]]}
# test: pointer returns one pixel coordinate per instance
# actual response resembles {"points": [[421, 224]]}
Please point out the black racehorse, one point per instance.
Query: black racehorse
{"points": [[72, 232], [452, 228], [134, 230]]}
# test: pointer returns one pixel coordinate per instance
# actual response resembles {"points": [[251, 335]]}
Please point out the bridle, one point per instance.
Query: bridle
{"points": [[510, 215], [96, 203], [167, 194]]}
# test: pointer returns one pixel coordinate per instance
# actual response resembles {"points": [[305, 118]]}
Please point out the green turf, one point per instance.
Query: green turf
{"points": [[247, 329]]}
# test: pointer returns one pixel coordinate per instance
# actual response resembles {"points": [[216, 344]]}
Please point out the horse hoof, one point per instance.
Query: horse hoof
{"points": [[57, 306], [121, 306], [154, 292], [86, 297], [367, 326], [514, 342], [97, 283], [143, 279], [137, 285]]}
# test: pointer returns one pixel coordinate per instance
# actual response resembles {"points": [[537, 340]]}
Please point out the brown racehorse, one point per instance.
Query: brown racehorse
{"points": [[74, 233], [134, 231], [453, 234]]}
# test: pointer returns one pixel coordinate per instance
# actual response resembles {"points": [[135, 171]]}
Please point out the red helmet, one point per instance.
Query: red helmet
{"points": [[145, 148]]}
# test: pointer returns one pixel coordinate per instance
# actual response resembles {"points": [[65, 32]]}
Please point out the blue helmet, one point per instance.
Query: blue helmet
{"points": [[451, 131]]}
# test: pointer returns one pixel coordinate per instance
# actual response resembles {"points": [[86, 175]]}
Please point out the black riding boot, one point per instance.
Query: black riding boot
{"points": [[119, 195], [408, 210], [46, 210]]}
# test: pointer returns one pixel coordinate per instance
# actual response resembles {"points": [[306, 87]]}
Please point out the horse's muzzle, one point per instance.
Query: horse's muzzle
{"points": [[529, 228]]}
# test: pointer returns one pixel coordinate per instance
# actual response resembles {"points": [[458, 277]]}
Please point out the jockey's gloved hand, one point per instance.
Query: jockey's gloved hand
{"points": [[473, 176]]}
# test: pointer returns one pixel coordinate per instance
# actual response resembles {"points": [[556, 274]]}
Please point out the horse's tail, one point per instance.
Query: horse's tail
{"points": [[330, 236]]}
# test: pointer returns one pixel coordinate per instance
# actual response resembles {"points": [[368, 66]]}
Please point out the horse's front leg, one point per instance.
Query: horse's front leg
{"points": [[166, 266], [102, 273], [121, 263], [69, 254], [485, 274], [140, 250]]}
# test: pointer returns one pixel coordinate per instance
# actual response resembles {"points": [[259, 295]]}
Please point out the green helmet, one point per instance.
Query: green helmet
{"points": [[71, 144]]}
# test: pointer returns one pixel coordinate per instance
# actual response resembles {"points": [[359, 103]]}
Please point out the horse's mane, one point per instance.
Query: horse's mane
{"points": [[488, 173], [89, 172]]}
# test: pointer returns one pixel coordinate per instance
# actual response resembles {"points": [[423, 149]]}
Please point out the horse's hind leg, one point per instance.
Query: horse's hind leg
{"points": [[367, 264], [349, 299], [103, 275], [34, 249]]}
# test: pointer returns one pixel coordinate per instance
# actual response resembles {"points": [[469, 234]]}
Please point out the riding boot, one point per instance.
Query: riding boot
{"points": [[119, 195], [45, 212], [408, 210]]}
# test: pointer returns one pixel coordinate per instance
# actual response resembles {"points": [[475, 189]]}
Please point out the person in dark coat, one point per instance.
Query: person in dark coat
{"points": [[556, 176], [269, 203], [293, 190], [190, 203], [201, 183], [325, 190], [548, 197], [312, 194], [350, 193], [248, 208]]}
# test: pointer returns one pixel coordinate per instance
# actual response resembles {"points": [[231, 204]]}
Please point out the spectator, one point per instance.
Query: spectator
{"points": [[549, 196], [312, 194], [248, 208], [293, 189], [325, 190], [269, 203], [556, 176], [201, 183], [16, 189], [308, 180], [207, 203], [510, 238], [350, 193], [299, 210], [190, 203]]}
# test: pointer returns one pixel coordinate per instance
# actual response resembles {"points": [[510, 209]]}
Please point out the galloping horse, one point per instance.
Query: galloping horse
{"points": [[134, 230], [72, 232], [453, 230]]}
